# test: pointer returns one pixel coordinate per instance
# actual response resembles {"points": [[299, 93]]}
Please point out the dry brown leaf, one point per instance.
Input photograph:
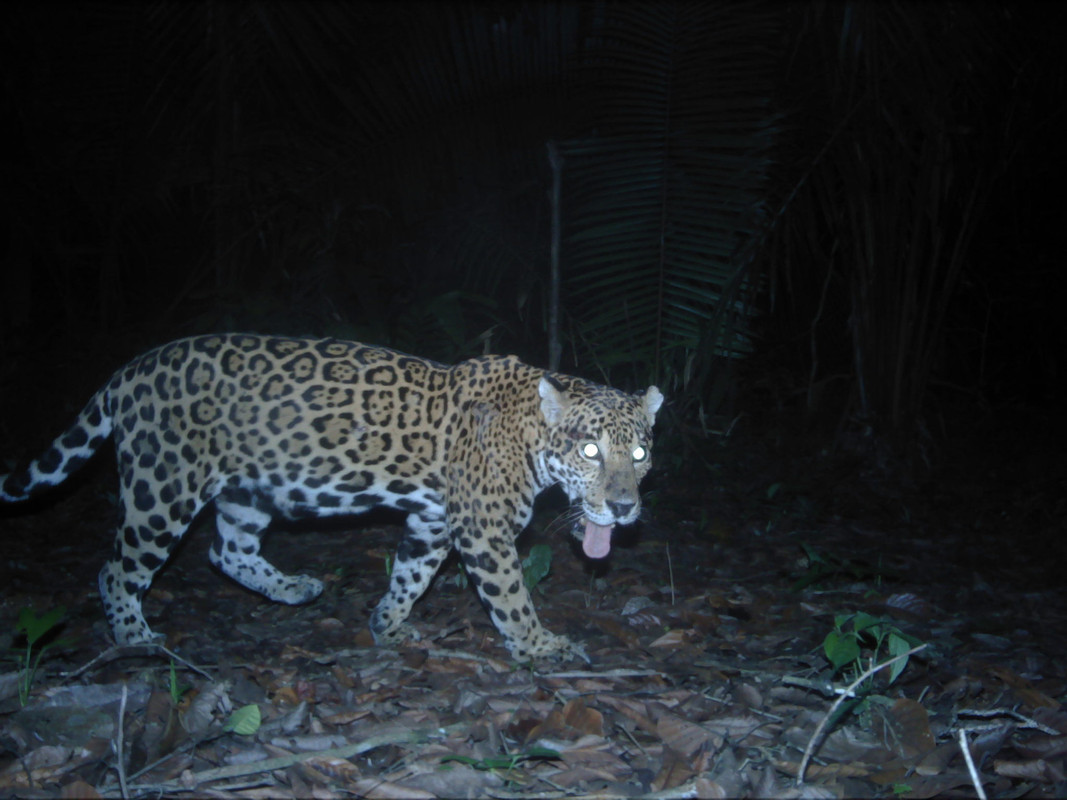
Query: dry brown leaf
{"points": [[673, 638], [274, 791], [346, 717], [707, 789], [699, 621], [340, 769], [458, 781], [1038, 770], [749, 695], [674, 772], [1053, 718], [364, 638], [908, 731], [1025, 691], [551, 725], [377, 789], [200, 715], [568, 778], [827, 771], [924, 786], [738, 727], [342, 676], [582, 718], [910, 603], [688, 739], [1042, 746], [621, 632], [670, 698], [44, 764], [634, 710], [594, 685], [459, 667], [286, 695], [79, 789], [292, 651], [379, 696], [935, 762], [595, 756]]}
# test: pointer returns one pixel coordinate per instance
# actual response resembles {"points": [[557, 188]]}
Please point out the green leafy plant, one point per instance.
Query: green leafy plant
{"points": [[536, 565], [177, 690], [35, 628], [657, 275], [853, 633], [822, 565], [506, 763]]}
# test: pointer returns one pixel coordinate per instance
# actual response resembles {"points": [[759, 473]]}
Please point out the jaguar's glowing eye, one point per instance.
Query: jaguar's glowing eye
{"points": [[590, 450], [640, 453]]}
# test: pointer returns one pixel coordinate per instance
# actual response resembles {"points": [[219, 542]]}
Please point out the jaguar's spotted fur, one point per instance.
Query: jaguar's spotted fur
{"points": [[268, 426]]}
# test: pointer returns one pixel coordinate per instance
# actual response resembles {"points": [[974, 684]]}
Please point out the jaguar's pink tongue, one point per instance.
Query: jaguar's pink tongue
{"points": [[597, 541]]}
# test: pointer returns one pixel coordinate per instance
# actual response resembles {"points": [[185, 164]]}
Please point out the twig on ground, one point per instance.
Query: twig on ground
{"points": [[119, 747], [121, 650], [464, 655], [670, 572], [822, 686], [848, 692], [610, 673], [188, 664], [990, 713], [970, 765], [194, 782]]}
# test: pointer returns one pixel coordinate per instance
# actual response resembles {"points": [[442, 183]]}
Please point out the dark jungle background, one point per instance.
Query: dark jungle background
{"points": [[835, 225]]}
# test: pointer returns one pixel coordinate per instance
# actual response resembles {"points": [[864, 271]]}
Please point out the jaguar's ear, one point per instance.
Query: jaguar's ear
{"points": [[653, 400], [553, 399]]}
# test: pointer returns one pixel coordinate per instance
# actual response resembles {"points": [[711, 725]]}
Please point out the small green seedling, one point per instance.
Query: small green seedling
{"points": [[536, 565], [822, 566], [177, 690], [245, 721], [35, 628], [506, 763], [844, 645]]}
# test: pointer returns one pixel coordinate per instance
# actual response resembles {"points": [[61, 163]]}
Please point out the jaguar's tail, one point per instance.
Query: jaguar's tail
{"points": [[68, 452]]}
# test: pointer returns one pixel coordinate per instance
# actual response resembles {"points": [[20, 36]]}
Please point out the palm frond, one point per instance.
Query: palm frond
{"points": [[663, 194]]}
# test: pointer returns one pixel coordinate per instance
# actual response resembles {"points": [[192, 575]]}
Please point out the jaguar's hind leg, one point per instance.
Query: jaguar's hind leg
{"points": [[146, 538], [236, 552]]}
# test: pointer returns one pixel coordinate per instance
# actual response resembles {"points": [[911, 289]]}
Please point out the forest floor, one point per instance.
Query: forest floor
{"points": [[706, 631]]}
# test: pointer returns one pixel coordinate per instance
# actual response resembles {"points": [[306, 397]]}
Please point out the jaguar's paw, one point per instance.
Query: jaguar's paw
{"points": [[548, 645]]}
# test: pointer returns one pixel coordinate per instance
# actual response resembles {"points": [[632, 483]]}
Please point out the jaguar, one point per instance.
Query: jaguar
{"points": [[269, 426]]}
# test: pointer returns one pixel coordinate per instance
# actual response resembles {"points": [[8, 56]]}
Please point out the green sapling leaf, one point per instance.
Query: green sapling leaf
{"points": [[840, 648], [536, 565], [35, 627], [244, 721], [897, 645], [863, 621]]}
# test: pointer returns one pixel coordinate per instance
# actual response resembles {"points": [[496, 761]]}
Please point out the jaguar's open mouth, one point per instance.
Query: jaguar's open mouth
{"points": [[596, 541]]}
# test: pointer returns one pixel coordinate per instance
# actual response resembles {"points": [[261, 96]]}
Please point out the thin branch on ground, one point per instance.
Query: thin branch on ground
{"points": [[195, 782], [970, 765], [847, 693], [119, 746], [117, 651]]}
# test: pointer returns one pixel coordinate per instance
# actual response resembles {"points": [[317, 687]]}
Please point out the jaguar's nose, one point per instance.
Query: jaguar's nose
{"points": [[620, 509]]}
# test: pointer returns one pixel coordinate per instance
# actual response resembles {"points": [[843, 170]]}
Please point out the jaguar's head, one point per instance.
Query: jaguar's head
{"points": [[600, 447]]}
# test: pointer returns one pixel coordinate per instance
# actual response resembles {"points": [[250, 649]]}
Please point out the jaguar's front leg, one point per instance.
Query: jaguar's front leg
{"points": [[422, 550], [492, 564]]}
